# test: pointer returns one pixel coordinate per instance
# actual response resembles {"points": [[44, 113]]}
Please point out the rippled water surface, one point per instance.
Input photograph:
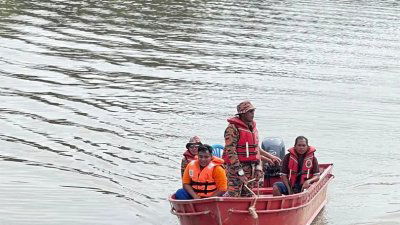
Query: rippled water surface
{"points": [[98, 99]]}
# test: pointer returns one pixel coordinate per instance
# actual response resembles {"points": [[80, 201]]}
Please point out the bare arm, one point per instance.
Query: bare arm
{"points": [[218, 193], [190, 190], [266, 156], [308, 182]]}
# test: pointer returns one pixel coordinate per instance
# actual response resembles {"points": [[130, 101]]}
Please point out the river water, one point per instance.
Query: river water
{"points": [[98, 99]]}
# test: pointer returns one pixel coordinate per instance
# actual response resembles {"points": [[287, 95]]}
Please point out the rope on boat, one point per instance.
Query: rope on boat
{"points": [[252, 208]]}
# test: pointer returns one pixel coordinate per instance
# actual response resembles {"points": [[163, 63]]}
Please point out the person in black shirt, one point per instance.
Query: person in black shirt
{"points": [[299, 169]]}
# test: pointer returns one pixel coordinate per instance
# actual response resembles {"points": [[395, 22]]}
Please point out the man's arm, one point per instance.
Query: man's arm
{"points": [[221, 181], [316, 175], [266, 156], [190, 190], [284, 173], [184, 163], [308, 182], [285, 181], [218, 193], [231, 140], [186, 180]]}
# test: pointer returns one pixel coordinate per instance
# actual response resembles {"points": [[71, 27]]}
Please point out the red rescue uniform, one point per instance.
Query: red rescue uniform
{"points": [[247, 145], [305, 172]]}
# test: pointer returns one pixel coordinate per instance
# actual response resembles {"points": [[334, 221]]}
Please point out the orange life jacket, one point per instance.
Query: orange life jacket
{"points": [[202, 180], [306, 167], [247, 146]]}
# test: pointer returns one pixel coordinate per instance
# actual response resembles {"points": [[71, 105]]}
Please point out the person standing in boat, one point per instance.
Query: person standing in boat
{"points": [[203, 177], [242, 154], [299, 169], [190, 153]]}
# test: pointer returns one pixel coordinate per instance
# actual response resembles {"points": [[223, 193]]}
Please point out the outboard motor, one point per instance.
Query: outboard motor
{"points": [[276, 147]]}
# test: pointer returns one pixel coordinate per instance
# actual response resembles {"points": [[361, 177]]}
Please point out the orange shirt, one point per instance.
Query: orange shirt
{"points": [[219, 177]]}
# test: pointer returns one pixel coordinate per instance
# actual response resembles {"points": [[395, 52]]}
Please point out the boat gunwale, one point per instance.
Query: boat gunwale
{"points": [[327, 169]]}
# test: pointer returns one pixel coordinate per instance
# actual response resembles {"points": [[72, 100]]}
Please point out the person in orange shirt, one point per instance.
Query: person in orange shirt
{"points": [[203, 177]]}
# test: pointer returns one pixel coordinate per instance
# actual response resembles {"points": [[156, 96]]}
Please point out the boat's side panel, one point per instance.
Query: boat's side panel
{"points": [[297, 215], [197, 214]]}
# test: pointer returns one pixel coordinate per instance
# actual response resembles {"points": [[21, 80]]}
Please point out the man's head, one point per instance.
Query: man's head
{"points": [[193, 144], [245, 110], [205, 155], [301, 145]]}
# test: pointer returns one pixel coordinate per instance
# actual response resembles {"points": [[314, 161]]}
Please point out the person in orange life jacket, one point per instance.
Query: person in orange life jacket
{"points": [[299, 169], [203, 177], [242, 154], [190, 153]]}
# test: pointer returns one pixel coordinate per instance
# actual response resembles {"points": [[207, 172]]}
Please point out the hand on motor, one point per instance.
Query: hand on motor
{"points": [[275, 160], [265, 159]]}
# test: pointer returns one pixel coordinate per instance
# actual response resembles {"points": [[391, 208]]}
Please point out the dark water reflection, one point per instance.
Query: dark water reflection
{"points": [[98, 99]]}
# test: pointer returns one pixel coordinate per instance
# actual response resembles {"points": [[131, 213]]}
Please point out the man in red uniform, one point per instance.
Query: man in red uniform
{"points": [[299, 169], [242, 153]]}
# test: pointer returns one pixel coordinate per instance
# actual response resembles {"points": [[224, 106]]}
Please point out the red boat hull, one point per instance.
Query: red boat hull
{"points": [[297, 209]]}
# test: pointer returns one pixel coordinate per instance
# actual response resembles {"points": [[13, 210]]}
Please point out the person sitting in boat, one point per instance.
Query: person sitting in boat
{"points": [[190, 153], [242, 153], [203, 177], [299, 169]]}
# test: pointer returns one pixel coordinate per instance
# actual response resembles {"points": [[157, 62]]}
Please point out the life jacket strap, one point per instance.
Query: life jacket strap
{"points": [[300, 173], [204, 191], [250, 146], [244, 153], [202, 183]]}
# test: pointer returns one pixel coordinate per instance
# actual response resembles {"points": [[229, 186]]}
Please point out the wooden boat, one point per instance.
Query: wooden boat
{"points": [[296, 209]]}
